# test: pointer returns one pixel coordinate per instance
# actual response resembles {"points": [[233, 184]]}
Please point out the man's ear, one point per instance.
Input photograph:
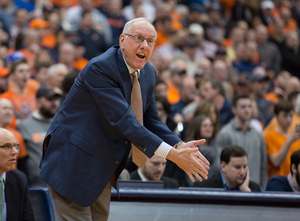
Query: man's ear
{"points": [[121, 41], [233, 110], [293, 169], [223, 166]]}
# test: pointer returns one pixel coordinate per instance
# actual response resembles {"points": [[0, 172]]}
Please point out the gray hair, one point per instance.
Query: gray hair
{"points": [[129, 24], [52, 69]]}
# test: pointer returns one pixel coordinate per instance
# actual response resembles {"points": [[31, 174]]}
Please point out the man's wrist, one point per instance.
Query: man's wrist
{"points": [[177, 145]]}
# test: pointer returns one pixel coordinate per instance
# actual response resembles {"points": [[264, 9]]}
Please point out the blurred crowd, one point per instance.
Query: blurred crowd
{"points": [[227, 71]]}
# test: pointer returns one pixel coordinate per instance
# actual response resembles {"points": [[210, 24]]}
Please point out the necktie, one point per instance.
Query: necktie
{"points": [[1, 197], [137, 107]]}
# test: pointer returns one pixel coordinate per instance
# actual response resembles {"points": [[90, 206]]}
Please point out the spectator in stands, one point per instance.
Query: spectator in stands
{"points": [[240, 11], [73, 17], [293, 85], [164, 112], [234, 173], [92, 40], [7, 11], [281, 145], [148, 9], [205, 48], [34, 129], [19, 25], [153, 170], [41, 74], [259, 88], [269, 53], [57, 73], [15, 200], [214, 92], [231, 44], [115, 18], [266, 13], [23, 100], [202, 126], [291, 182], [290, 24], [187, 94], [50, 36], [280, 87], [239, 132], [206, 66], [221, 74], [189, 49], [277, 35], [247, 65], [210, 110], [6, 117], [161, 89], [66, 55], [290, 53], [178, 71]]}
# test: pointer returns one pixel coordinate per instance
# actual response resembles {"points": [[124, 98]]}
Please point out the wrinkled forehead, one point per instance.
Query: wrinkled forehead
{"points": [[7, 137], [143, 28]]}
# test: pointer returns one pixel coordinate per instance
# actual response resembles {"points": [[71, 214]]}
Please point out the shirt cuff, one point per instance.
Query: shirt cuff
{"points": [[163, 150]]}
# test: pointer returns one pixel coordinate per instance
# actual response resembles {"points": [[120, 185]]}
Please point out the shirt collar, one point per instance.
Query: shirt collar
{"points": [[238, 127], [130, 70], [143, 178], [293, 185], [4, 176], [226, 187]]}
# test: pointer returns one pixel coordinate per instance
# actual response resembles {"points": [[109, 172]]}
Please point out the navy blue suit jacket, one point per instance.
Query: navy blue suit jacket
{"points": [[91, 135], [17, 197]]}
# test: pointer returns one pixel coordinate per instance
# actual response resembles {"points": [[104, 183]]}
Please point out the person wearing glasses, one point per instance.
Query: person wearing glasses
{"points": [[14, 193], [88, 143]]}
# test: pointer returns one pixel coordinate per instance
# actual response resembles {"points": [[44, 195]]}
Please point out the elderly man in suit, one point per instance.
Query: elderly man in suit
{"points": [[14, 193], [110, 106]]}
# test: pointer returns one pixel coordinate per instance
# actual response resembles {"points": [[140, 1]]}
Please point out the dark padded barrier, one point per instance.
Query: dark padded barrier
{"points": [[137, 204], [42, 205]]}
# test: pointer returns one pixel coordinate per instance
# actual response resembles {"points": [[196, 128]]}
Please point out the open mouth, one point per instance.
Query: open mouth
{"points": [[141, 55]]}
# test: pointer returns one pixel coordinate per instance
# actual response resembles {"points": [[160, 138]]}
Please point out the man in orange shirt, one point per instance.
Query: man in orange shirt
{"points": [[22, 99], [280, 145]]}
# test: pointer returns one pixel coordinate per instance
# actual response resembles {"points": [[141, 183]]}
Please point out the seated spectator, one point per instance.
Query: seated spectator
{"points": [[291, 182], [280, 86], [178, 71], [164, 112], [22, 99], [234, 173], [41, 74], [93, 41], [187, 94], [200, 127], [15, 202], [34, 129], [254, 122], [57, 73], [280, 145], [214, 92], [239, 132], [259, 88], [161, 88], [153, 170], [247, 65], [210, 110], [66, 55]]}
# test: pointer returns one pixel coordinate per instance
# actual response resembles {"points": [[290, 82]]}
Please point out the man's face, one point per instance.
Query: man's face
{"points": [[235, 171], [161, 90], [285, 119], [21, 75], [243, 109], [6, 112], [154, 168], [58, 77], [67, 54], [48, 107], [260, 88], [208, 92], [42, 76], [8, 158], [136, 53]]}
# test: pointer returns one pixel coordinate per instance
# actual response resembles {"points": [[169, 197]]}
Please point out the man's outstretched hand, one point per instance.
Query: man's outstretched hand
{"points": [[190, 160]]}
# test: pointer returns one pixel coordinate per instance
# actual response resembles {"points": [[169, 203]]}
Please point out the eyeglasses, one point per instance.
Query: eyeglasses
{"points": [[9, 147], [141, 39]]}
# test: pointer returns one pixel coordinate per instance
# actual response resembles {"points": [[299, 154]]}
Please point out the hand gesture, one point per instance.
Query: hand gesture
{"points": [[245, 185]]}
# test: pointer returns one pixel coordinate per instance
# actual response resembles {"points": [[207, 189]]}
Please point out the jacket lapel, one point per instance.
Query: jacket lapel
{"points": [[125, 76], [11, 196]]}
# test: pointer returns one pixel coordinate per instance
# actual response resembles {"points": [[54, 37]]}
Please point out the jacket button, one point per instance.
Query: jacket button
{"points": [[125, 142], [117, 162]]}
